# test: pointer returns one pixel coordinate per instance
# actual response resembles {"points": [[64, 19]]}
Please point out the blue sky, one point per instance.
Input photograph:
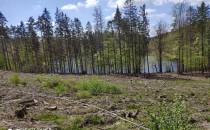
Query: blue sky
{"points": [[17, 10]]}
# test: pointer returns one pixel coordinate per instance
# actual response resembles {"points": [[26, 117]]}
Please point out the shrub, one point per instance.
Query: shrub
{"points": [[169, 116], [96, 87], [15, 79]]}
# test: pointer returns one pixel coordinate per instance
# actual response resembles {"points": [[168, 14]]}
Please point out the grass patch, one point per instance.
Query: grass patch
{"points": [[95, 87], [51, 117], [16, 80], [54, 82], [83, 94], [61, 88], [133, 107], [169, 116], [94, 120], [3, 128], [208, 118], [76, 124]]}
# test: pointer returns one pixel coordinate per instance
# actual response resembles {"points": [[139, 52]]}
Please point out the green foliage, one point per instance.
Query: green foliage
{"points": [[208, 118], [96, 87], [55, 83], [76, 125], [132, 106], [3, 128], [169, 116], [61, 88], [95, 119], [51, 117], [83, 94], [15, 79]]}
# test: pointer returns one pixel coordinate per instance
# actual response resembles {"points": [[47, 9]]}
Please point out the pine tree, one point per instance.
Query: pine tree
{"points": [[34, 45], [79, 46], [179, 22], [91, 44], [161, 31], [99, 26], [46, 28], [190, 19], [3, 37], [130, 17], [145, 37], [202, 22], [118, 27]]}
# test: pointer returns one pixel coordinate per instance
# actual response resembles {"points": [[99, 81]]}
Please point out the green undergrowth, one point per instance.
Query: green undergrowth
{"points": [[83, 94], [16, 80], [3, 128], [51, 117], [208, 118], [94, 120], [169, 116], [65, 122], [96, 86], [56, 83], [84, 88], [61, 121], [75, 125]]}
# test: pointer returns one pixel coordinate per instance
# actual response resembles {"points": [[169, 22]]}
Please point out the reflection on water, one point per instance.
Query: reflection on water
{"points": [[167, 66]]}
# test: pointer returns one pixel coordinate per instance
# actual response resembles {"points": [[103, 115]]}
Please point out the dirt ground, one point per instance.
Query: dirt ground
{"points": [[46, 109]]}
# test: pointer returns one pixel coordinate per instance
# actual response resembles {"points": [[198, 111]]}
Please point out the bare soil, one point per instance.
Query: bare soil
{"points": [[138, 94]]}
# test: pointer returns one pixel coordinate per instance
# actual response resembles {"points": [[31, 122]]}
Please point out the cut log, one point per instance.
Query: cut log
{"points": [[29, 103], [52, 108]]}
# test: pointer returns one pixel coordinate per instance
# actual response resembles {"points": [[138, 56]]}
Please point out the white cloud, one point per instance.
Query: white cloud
{"points": [[86, 4], [70, 7], [110, 17], [161, 2], [159, 16], [91, 3], [115, 3], [150, 11], [120, 3]]}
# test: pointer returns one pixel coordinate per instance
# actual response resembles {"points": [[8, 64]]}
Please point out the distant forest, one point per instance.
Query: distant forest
{"points": [[120, 46]]}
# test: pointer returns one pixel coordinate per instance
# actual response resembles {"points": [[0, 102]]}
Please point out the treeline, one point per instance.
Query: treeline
{"points": [[192, 30], [120, 46], [189, 40]]}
